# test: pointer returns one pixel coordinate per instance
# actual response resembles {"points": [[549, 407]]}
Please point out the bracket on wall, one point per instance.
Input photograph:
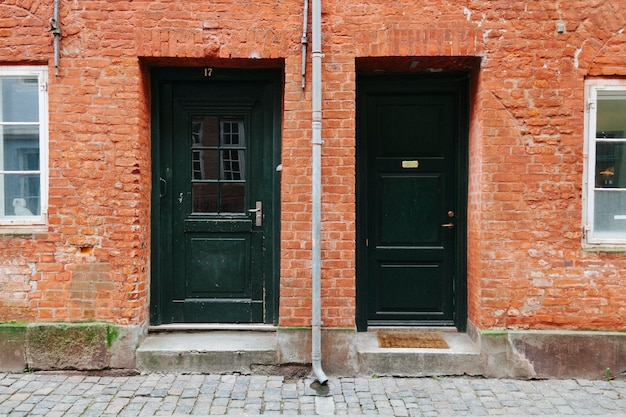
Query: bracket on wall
{"points": [[55, 29]]}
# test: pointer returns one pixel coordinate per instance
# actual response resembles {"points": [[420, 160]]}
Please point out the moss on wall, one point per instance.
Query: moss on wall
{"points": [[69, 345]]}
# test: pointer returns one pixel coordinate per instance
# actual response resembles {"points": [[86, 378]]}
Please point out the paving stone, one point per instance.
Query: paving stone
{"points": [[162, 393], [195, 394], [190, 393], [221, 402]]}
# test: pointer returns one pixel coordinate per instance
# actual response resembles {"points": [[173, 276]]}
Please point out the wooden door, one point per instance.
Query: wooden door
{"points": [[411, 203], [216, 184]]}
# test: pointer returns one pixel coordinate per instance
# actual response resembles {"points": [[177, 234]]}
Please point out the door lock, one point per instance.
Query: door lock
{"points": [[448, 225], [258, 213]]}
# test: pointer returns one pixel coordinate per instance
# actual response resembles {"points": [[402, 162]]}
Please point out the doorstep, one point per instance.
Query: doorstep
{"points": [[206, 351], [463, 357], [249, 350]]}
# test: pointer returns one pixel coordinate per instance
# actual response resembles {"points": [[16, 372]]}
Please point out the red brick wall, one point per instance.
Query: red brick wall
{"points": [[526, 266], [531, 271]]}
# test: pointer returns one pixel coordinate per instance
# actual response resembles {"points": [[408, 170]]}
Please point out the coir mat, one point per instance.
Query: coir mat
{"points": [[411, 339]]}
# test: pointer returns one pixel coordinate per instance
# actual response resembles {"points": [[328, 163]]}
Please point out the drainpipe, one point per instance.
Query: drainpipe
{"points": [[55, 29], [304, 41], [316, 196]]}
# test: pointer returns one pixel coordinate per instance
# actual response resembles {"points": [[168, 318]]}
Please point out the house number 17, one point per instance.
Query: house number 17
{"points": [[208, 72]]}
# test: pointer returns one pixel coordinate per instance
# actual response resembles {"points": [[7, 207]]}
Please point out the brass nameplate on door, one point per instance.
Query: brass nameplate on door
{"points": [[410, 164]]}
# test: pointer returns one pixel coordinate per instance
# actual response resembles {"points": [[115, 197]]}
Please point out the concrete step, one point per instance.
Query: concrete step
{"points": [[254, 350], [206, 351], [462, 358]]}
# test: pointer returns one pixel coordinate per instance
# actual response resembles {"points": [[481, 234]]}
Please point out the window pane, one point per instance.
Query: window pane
{"points": [[20, 148], [232, 198], [610, 164], [233, 163], [611, 122], [204, 131], [204, 196], [20, 99], [21, 194], [233, 133], [204, 164], [610, 214]]}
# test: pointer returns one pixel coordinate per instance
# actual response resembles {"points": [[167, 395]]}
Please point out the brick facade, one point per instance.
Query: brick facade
{"points": [[526, 264]]}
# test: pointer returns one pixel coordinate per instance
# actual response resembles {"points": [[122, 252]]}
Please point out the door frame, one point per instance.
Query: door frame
{"points": [[371, 83], [159, 78]]}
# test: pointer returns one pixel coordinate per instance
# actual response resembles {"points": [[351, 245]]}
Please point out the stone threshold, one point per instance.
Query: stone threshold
{"points": [[207, 327], [228, 349]]}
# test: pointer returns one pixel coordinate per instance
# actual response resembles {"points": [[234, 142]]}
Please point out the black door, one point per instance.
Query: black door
{"points": [[215, 183], [411, 154]]}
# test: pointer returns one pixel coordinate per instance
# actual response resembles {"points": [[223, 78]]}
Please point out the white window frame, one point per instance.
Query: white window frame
{"points": [[590, 239], [10, 224]]}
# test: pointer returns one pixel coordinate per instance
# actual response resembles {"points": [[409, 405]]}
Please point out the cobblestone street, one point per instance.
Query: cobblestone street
{"points": [[73, 395]]}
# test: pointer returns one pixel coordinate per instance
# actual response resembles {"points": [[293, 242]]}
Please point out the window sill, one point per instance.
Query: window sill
{"points": [[9, 230], [599, 247]]}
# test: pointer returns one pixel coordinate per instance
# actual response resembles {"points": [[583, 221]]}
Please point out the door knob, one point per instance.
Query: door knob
{"points": [[448, 225]]}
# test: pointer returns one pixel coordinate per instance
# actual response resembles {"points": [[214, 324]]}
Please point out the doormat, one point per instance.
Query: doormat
{"points": [[411, 339]]}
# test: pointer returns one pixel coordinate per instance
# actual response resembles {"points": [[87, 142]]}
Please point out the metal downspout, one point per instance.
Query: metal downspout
{"points": [[304, 41], [55, 29], [316, 196]]}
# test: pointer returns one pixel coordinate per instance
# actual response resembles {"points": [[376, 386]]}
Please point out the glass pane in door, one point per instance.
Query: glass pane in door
{"points": [[218, 161]]}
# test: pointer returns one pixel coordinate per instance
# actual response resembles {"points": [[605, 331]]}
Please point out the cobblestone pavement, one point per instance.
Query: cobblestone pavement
{"points": [[73, 395]]}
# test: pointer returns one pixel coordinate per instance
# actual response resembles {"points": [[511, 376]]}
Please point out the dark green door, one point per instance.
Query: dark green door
{"points": [[411, 202], [216, 206]]}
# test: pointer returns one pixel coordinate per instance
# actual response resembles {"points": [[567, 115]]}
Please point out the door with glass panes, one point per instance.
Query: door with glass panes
{"points": [[216, 202]]}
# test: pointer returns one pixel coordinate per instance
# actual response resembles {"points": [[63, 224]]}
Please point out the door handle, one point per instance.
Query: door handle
{"points": [[448, 225], [258, 213], [163, 187]]}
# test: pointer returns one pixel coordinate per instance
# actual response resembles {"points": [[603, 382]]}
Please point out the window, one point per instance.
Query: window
{"points": [[605, 176], [23, 145], [218, 164]]}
